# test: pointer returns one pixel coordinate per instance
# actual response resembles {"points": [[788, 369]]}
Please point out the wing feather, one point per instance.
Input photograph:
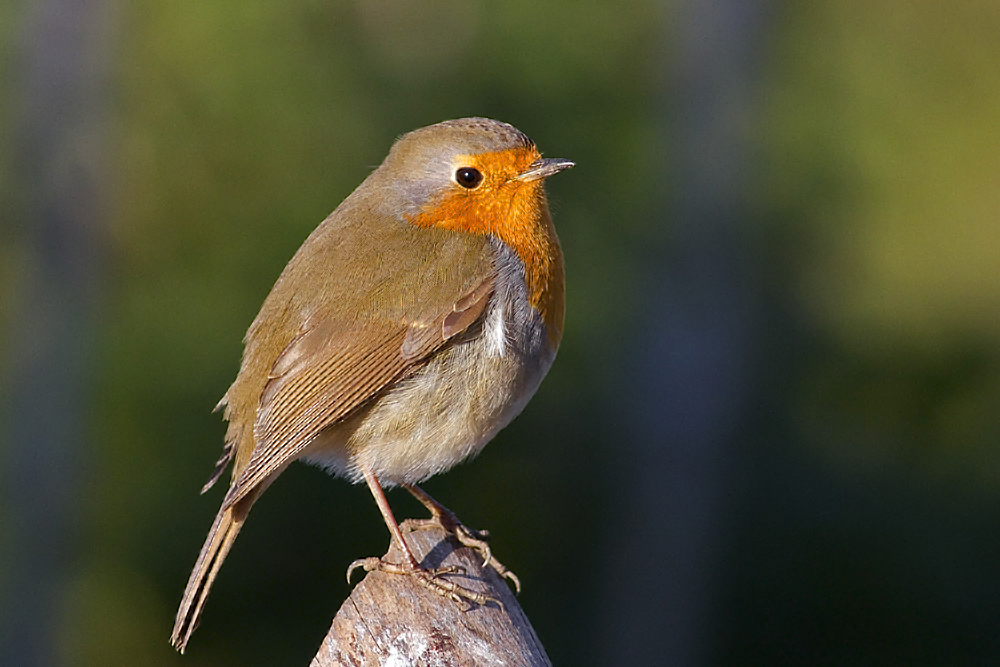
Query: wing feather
{"points": [[328, 370]]}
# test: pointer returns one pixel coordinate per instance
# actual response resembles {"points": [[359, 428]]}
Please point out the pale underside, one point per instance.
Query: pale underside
{"points": [[450, 407]]}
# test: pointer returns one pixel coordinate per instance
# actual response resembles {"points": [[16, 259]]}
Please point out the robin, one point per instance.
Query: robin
{"points": [[412, 325]]}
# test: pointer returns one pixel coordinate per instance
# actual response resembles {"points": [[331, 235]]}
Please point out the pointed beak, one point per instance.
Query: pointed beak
{"points": [[543, 168]]}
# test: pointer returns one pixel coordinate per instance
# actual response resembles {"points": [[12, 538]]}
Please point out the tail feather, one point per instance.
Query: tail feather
{"points": [[220, 539]]}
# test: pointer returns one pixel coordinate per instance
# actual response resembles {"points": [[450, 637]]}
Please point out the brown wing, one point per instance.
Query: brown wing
{"points": [[328, 370]]}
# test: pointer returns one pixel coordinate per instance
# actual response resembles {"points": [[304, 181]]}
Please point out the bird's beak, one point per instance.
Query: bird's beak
{"points": [[543, 168]]}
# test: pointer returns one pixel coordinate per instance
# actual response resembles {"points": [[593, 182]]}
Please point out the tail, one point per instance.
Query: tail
{"points": [[220, 539]]}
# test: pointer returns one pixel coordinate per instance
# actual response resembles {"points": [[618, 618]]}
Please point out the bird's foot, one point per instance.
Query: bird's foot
{"points": [[430, 579], [474, 539]]}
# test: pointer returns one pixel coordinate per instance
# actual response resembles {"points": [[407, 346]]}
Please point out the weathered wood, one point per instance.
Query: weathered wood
{"points": [[391, 620]]}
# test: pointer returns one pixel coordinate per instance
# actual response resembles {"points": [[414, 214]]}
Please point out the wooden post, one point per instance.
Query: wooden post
{"points": [[392, 620]]}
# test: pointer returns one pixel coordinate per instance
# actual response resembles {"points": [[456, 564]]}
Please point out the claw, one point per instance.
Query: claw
{"points": [[368, 564], [430, 579], [474, 539], [445, 519], [507, 574]]}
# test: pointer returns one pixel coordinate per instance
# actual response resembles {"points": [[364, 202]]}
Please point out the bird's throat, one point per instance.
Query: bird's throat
{"points": [[518, 214]]}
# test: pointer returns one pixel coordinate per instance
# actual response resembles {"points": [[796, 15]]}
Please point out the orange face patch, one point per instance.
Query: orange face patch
{"points": [[514, 211]]}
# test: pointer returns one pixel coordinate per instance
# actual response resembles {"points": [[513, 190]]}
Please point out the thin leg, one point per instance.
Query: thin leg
{"points": [[430, 579], [442, 517], [390, 520]]}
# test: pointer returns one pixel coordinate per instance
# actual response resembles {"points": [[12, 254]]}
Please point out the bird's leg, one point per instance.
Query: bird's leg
{"points": [[444, 518], [428, 578]]}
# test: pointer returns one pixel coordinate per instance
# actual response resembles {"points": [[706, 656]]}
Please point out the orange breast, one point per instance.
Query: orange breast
{"points": [[517, 213]]}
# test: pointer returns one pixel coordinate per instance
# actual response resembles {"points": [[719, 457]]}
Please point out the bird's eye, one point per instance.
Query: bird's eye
{"points": [[468, 177]]}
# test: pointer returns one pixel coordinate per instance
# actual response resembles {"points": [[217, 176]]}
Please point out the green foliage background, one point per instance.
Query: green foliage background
{"points": [[862, 528]]}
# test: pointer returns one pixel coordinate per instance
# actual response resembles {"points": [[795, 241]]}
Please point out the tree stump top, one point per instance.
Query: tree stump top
{"points": [[391, 620]]}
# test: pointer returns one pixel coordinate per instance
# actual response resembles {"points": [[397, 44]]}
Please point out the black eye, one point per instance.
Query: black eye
{"points": [[468, 177]]}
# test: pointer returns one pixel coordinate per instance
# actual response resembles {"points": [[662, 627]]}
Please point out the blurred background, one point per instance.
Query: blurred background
{"points": [[770, 438]]}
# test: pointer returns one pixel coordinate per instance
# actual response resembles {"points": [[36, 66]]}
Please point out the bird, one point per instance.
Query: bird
{"points": [[413, 324]]}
